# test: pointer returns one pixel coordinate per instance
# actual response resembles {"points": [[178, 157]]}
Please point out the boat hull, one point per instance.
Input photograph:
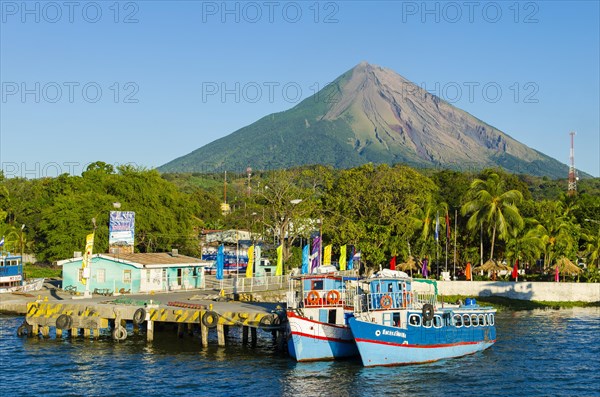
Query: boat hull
{"points": [[29, 286], [311, 340], [380, 345]]}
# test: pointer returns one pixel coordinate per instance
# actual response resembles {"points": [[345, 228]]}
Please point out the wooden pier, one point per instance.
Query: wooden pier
{"points": [[90, 319]]}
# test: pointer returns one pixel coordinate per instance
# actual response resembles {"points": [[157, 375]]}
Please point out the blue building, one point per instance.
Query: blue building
{"points": [[136, 272]]}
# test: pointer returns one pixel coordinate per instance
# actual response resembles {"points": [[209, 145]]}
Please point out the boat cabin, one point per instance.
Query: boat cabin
{"points": [[389, 293], [11, 271], [323, 290]]}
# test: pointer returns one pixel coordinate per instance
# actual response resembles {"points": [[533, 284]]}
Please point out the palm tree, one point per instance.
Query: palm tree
{"points": [[557, 229], [493, 208]]}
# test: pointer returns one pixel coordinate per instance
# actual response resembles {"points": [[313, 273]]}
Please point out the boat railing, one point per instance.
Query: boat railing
{"points": [[421, 298], [328, 298], [384, 301]]}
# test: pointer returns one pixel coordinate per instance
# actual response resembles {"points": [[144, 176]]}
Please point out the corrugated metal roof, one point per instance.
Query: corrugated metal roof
{"points": [[156, 258]]}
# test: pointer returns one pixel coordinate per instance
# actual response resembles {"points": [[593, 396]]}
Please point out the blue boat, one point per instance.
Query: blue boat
{"points": [[11, 276], [317, 316], [396, 324]]}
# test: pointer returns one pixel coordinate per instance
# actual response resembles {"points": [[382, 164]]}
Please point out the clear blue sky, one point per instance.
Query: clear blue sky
{"points": [[175, 76]]}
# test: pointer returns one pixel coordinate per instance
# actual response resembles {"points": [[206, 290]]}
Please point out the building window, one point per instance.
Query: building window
{"points": [[101, 275], [126, 276]]}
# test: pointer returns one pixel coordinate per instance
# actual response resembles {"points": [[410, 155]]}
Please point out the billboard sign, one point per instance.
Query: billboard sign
{"points": [[121, 228]]}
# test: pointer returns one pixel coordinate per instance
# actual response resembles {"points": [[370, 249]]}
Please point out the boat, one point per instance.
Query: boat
{"points": [[318, 307], [11, 276], [396, 324]]}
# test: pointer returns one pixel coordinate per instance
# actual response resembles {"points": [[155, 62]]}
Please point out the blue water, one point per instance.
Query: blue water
{"points": [[538, 353]]}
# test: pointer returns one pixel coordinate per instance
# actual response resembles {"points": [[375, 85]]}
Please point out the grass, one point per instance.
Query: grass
{"points": [[36, 271], [502, 303]]}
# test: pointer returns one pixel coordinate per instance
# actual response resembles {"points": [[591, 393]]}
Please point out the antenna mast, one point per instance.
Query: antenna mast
{"points": [[572, 190]]}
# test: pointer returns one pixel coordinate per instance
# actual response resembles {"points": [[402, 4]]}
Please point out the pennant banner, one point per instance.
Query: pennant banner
{"points": [[87, 258], [393, 263], [250, 267], [316, 254], [279, 268], [327, 255], [342, 260], [350, 265], [305, 258], [220, 262]]}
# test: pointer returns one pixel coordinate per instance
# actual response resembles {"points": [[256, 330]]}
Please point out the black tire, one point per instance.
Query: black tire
{"points": [[64, 321], [139, 317], [210, 319], [267, 322], [23, 330], [119, 333], [427, 312]]}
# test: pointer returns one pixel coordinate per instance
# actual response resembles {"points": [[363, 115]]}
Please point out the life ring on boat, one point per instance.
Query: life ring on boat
{"points": [[313, 297], [209, 320], [64, 321], [427, 312], [386, 301], [333, 297], [139, 316]]}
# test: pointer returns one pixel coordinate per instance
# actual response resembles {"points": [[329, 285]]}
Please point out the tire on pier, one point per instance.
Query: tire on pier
{"points": [[24, 329], [210, 319], [64, 321], [119, 333], [139, 317], [269, 321]]}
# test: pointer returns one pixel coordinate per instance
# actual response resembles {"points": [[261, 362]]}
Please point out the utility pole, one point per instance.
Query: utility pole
{"points": [[572, 189]]}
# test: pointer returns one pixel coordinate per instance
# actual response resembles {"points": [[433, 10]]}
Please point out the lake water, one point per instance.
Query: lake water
{"points": [[538, 353]]}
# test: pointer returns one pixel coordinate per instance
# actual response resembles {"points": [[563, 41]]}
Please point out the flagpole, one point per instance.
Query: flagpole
{"points": [[455, 233]]}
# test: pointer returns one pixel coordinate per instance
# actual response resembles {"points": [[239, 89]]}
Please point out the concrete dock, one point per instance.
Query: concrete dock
{"points": [[189, 312]]}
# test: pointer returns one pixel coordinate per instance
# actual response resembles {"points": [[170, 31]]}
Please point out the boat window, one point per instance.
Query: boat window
{"points": [[466, 320], [491, 319], [437, 321], [474, 321], [414, 320], [317, 284], [457, 320], [481, 320], [426, 324]]}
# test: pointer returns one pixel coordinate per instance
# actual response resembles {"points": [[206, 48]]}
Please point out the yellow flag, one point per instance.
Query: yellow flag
{"points": [[279, 268], [327, 255], [343, 257], [87, 258], [250, 268]]}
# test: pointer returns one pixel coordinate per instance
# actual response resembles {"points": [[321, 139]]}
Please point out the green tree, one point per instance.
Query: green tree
{"points": [[492, 207]]}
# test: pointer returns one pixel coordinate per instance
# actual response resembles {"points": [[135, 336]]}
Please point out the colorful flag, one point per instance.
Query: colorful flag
{"points": [[327, 255], [557, 274], [250, 267], [342, 260], [2, 241], [350, 265], [393, 263], [424, 268], [305, 259], [468, 271], [515, 272], [87, 258], [437, 227], [220, 262], [316, 254], [257, 251], [279, 268], [447, 227]]}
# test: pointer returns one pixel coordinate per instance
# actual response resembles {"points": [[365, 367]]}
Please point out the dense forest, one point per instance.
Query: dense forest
{"points": [[381, 210]]}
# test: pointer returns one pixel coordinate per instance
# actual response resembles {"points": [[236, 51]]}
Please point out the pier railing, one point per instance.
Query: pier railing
{"points": [[245, 285]]}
